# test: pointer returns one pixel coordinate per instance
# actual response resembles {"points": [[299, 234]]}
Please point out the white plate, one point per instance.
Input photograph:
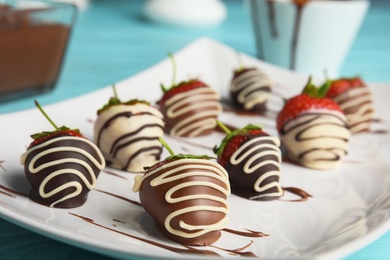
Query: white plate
{"points": [[349, 208]]}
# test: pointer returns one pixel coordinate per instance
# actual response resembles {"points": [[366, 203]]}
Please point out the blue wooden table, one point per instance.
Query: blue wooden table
{"points": [[112, 41]]}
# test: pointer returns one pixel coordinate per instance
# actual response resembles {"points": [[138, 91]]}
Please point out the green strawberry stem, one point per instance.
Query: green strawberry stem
{"points": [[314, 91], [44, 113], [114, 90], [164, 89], [162, 141], [326, 74], [223, 127], [174, 68], [240, 61]]}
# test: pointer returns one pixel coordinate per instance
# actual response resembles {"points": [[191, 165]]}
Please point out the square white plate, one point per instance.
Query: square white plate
{"points": [[349, 208]]}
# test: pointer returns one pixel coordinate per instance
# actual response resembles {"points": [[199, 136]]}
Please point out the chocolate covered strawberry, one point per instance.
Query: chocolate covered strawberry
{"points": [[252, 159], [187, 197], [127, 133], [62, 166], [313, 129], [355, 99], [190, 108], [250, 89]]}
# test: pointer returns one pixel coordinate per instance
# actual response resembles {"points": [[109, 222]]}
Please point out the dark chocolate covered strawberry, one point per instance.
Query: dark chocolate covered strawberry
{"points": [[252, 159], [190, 108], [313, 129], [62, 166], [355, 99], [187, 197], [250, 89], [127, 133]]}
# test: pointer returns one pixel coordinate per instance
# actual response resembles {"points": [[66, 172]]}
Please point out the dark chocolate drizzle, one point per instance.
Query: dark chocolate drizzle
{"points": [[298, 136], [120, 221], [238, 251], [294, 44], [248, 233], [5, 193], [119, 197], [114, 174], [13, 191], [187, 250], [272, 18], [299, 192], [1, 166], [118, 144]]}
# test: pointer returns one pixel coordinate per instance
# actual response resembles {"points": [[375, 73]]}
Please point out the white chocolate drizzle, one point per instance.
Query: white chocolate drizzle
{"points": [[317, 139], [178, 170], [73, 149], [252, 87], [358, 107], [200, 107], [252, 152], [128, 136]]}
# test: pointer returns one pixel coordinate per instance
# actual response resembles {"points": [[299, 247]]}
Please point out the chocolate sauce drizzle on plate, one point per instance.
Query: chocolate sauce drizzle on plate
{"points": [[12, 191], [119, 197], [187, 250], [297, 191], [238, 251], [114, 174]]}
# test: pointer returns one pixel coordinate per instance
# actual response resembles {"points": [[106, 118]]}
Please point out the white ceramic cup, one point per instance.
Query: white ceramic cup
{"points": [[311, 38]]}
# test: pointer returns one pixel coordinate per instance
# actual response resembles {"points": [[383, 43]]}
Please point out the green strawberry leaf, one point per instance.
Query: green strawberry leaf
{"points": [[188, 156], [316, 92], [111, 102], [218, 150], [47, 133]]}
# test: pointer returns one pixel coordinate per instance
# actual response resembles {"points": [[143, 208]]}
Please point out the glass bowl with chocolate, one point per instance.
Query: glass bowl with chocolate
{"points": [[34, 36]]}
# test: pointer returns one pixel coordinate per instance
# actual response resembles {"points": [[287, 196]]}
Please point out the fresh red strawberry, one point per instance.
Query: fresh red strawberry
{"points": [[47, 135], [341, 85], [312, 97], [233, 141]]}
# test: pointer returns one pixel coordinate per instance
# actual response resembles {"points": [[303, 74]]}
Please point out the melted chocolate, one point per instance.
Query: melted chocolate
{"points": [[187, 199], [299, 192], [57, 172], [120, 197], [250, 89], [191, 113], [189, 250], [308, 124], [114, 174], [254, 169], [299, 4], [13, 191], [120, 221], [238, 251], [32, 52], [272, 18], [5, 193], [132, 138], [248, 233]]}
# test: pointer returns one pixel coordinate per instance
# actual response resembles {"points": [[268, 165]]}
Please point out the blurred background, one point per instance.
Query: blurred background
{"points": [[113, 40]]}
